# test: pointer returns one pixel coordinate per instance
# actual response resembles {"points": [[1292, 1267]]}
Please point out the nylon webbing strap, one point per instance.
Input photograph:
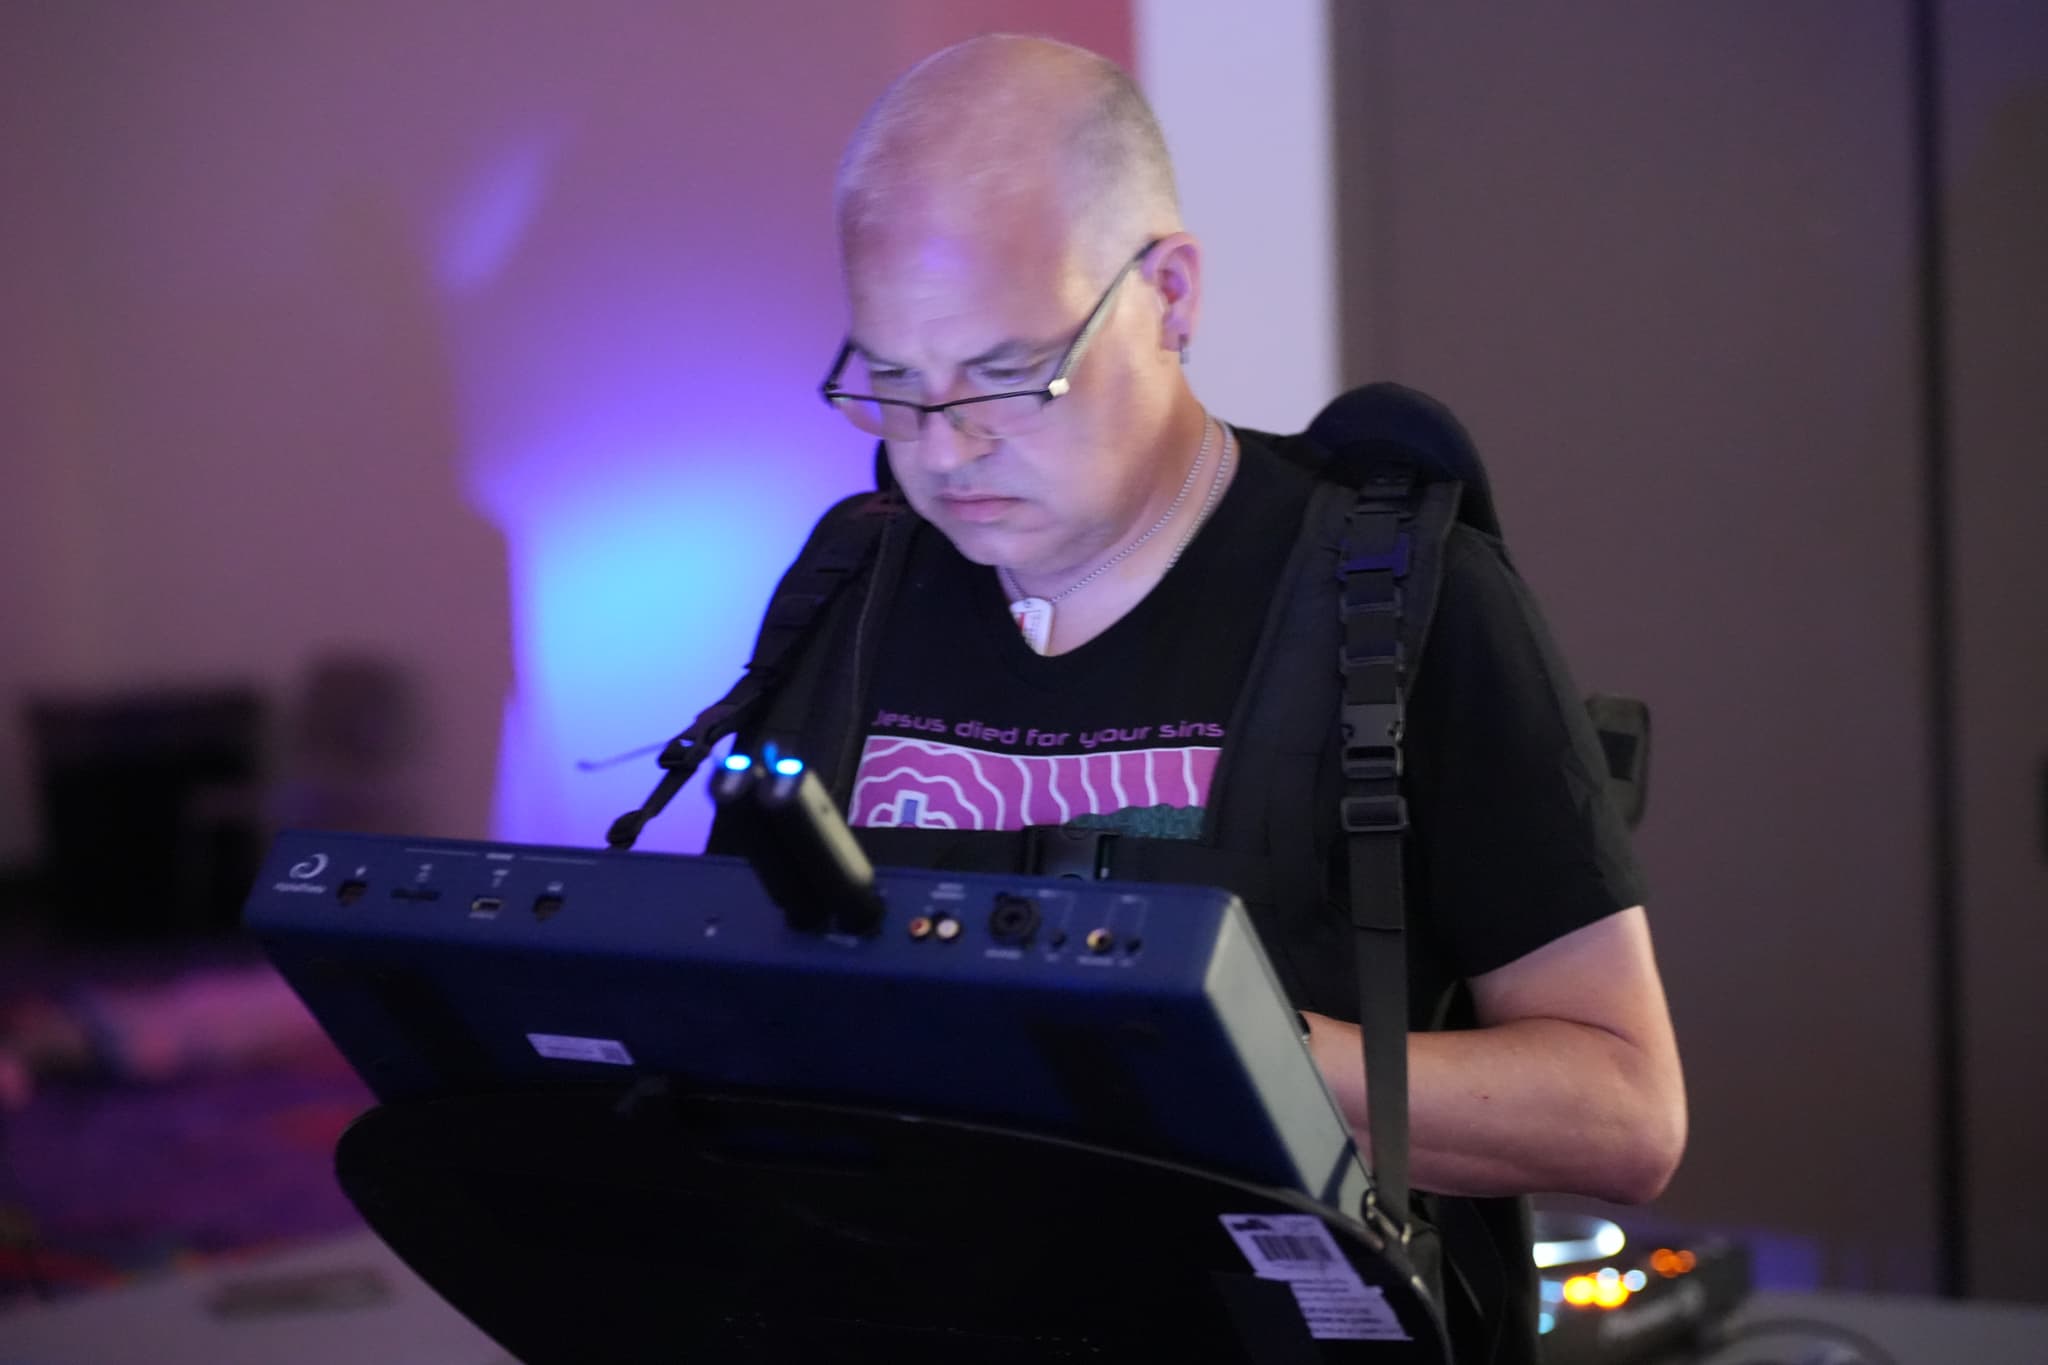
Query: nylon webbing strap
{"points": [[684, 754], [840, 547], [1373, 564]]}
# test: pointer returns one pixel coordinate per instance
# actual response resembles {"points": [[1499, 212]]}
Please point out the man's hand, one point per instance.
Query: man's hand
{"points": [[1571, 1083]]}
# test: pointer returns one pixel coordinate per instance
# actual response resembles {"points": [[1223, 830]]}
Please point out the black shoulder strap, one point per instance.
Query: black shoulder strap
{"points": [[1414, 469], [839, 548], [1387, 570]]}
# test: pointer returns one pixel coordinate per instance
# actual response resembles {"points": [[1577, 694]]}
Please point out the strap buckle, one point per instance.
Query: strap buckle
{"points": [[1086, 855], [1386, 814], [1395, 559], [1372, 740]]}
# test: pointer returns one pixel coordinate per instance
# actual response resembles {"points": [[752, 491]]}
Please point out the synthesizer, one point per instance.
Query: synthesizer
{"points": [[791, 1107], [1145, 1017]]}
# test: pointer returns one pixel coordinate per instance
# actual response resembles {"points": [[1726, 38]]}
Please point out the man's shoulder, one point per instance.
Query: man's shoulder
{"points": [[1299, 460], [1478, 582], [1276, 478], [867, 510], [1471, 559], [1288, 457], [847, 531]]}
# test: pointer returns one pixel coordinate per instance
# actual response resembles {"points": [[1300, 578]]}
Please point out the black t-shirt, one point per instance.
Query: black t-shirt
{"points": [[968, 728], [1516, 843]]}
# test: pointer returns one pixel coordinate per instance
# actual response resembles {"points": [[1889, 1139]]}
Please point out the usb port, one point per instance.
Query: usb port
{"points": [[486, 906]]}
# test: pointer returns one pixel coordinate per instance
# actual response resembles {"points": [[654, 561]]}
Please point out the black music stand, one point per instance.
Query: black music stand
{"points": [[644, 1223]]}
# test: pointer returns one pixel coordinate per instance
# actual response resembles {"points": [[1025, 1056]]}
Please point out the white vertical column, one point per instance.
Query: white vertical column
{"points": [[1243, 92]]}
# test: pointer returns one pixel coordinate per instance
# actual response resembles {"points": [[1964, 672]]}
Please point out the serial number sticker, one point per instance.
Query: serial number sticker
{"points": [[564, 1048], [1297, 1248]]}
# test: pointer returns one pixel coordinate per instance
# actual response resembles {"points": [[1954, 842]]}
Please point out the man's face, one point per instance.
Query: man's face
{"points": [[942, 313]]}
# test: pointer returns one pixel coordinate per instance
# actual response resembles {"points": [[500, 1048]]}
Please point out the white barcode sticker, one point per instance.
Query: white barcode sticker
{"points": [[1297, 1248], [564, 1048]]}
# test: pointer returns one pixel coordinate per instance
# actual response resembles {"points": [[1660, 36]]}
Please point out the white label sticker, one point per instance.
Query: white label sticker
{"points": [[567, 1049], [1297, 1248]]}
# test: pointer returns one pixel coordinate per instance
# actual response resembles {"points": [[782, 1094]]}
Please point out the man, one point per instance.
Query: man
{"points": [[1082, 592]]}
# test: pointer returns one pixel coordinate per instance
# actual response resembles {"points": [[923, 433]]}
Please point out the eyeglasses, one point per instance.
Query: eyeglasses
{"points": [[988, 416]]}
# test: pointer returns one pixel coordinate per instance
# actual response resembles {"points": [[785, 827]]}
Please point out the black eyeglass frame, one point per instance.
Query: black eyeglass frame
{"points": [[1055, 387]]}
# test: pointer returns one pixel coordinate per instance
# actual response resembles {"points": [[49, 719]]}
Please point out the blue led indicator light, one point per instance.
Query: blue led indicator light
{"points": [[789, 767], [738, 763]]}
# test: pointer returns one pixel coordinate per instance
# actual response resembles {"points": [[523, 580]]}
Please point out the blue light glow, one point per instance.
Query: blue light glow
{"points": [[488, 219], [789, 767], [1545, 1322], [632, 383], [738, 763], [636, 591]]}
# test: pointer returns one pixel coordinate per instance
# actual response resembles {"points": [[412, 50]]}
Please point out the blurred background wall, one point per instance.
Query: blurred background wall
{"points": [[1666, 259], [479, 338]]}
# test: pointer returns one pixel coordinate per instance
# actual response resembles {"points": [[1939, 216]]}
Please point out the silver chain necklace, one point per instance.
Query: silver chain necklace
{"points": [[1033, 615], [1208, 504]]}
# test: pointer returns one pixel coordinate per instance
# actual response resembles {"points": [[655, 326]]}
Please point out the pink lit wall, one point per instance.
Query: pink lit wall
{"points": [[482, 334]]}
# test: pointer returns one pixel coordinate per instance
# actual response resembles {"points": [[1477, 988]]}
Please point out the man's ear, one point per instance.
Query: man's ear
{"points": [[1174, 270]]}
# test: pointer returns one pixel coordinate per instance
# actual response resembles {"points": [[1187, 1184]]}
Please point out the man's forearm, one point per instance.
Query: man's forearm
{"points": [[1524, 1106]]}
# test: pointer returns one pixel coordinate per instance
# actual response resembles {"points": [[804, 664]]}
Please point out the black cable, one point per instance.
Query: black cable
{"points": [[1951, 1191], [598, 765]]}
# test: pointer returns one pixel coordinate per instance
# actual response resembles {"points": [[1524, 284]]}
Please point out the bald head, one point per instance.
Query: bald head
{"points": [[1001, 127]]}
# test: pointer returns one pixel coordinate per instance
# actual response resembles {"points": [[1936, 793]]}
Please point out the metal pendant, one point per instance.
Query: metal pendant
{"points": [[1033, 616]]}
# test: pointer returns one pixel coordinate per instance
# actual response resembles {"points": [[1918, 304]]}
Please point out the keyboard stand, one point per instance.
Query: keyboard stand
{"points": [[626, 1223]]}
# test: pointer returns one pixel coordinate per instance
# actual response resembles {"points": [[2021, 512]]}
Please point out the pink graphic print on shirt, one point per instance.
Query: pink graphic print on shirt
{"points": [[925, 784]]}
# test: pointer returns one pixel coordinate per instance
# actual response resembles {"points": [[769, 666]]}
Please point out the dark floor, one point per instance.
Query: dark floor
{"points": [[100, 1182]]}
